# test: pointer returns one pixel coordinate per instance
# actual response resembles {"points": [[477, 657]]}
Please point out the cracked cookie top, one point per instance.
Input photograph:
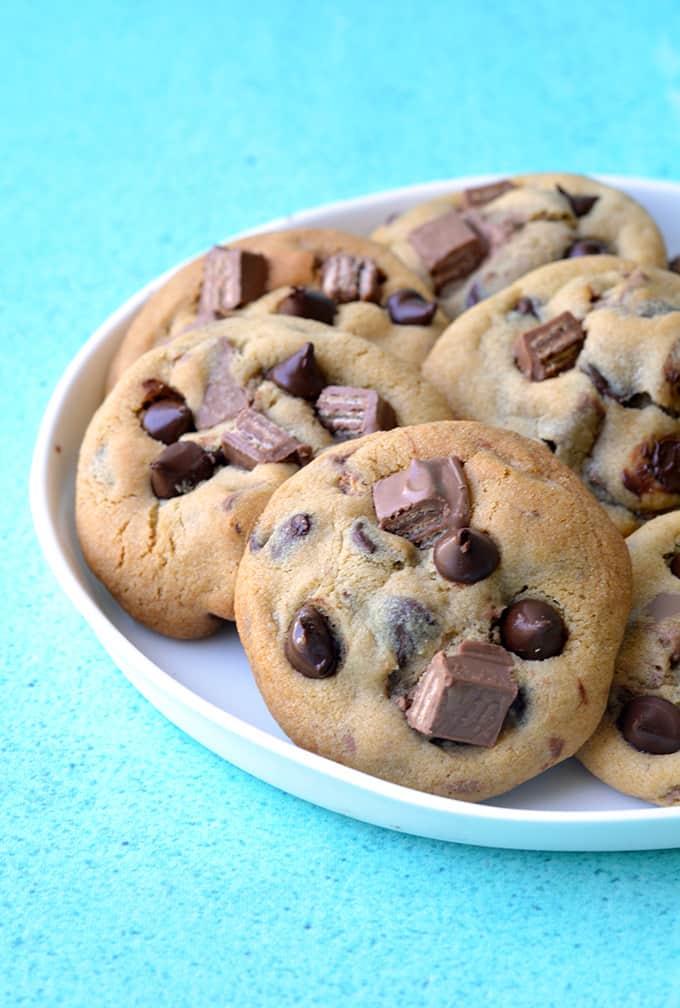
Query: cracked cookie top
{"points": [[585, 356]]}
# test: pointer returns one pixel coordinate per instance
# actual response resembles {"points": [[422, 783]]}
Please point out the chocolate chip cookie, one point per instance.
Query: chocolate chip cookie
{"points": [[585, 355], [181, 458], [470, 244], [314, 273], [439, 606], [636, 748]]}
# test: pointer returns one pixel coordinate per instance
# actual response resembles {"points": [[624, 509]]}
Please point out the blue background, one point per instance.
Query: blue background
{"points": [[137, 868]]}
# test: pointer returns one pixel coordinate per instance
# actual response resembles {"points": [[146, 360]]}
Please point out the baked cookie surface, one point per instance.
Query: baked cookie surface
{"points": [[468, 245], [439, 606], [181, 458], [636, 748], [318, 273], [584, 355]]}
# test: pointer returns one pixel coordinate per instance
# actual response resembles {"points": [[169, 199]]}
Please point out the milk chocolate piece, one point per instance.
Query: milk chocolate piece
{"points": [[407, 307], [179, 468], [223, 397], [663, 606], [481, 195], [349, 412], [309, 304], [465, 696], [299, 374], [257, 439], [310, 645], [466, 556], [580, 205], [347, 278], [656, 466], [651, 724], [232, 278], [423, 501], [533, 630], [448, 247], [549, 349]]}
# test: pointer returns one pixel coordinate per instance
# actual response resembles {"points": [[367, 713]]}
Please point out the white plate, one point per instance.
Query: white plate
{"points": [[206, 687]]}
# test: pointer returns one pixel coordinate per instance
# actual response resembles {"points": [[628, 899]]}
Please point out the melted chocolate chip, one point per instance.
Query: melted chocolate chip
{"points": [[361, 538], [586, 247], [179, 468], [675, 565], [580, 205], [651, 725], [309, 304], [533, 630], [466, 556], [299, 374], [410, 626], [310, 645], [527, 306], [656, 465], [296, 527], [408, 307], [167, 419]]}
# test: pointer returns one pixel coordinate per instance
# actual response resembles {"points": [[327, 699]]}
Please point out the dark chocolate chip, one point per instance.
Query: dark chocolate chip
{"points": [[473, 296], [527, 306], [651, 725], [410, 625], [407, 307], [296, 527], [466, 556], [675, 565], [179, 468], [361, 538], [299, 374], [310, 645], [533, 630], [551, 445], [309, 304], [167, 419], [674, 264], [586, 247], [549, 349], [580, 205]]}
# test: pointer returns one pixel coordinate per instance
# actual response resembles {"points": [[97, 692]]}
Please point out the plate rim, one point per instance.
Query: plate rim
{"points": [[158, 682]]}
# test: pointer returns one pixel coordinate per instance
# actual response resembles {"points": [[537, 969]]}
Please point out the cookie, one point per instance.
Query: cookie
{"points": [[439, 606], [636, 747], [585, 355], [322, 274], [468, 245], [181, 458]]}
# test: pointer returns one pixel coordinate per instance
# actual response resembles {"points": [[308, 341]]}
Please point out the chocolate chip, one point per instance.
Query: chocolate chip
{"points": [[257, 439], [179, 468], [526, 306], [167, 419], [466, 556], [294, 528], [309, 304], [586, 247], [580, 205], [422, 502], [675, 565], [651, 725], [448, 247], [349, 412], [481, 195], [310, 645], [473, 296], [550, 445], [153, 389], [465, 696], [346, 278], [361, 538], [407, 307], [299, 374], [656, 466], [674, 264], [232, 278], [549, 349], [533, 630], [410, 626]]}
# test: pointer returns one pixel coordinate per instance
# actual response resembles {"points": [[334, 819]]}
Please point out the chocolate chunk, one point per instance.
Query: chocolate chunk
{"points": [[349, 412], [651, 724], [675, 565], [465, 696], [448, 247], [527, 306], [167, 419], [232, 278], [533, 630], [310, 645], [309, 304], [656, 466], [586, 247], [481, 195], [410, 626], [179, 468], [153, 389], [294, 528], [408, 307], [674, 264], [580, 205], [423, 501], [257, 439], [550, 348], [466, 556], [299, 374], [663, 606], [347, 278], [223, 397], [361, 538]]}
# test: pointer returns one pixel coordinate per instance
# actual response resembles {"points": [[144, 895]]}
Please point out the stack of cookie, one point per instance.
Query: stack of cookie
{"points": [[436, 601]]}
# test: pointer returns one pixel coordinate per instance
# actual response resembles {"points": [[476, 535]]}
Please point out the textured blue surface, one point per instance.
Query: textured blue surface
{"points": [[135, 867]]}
